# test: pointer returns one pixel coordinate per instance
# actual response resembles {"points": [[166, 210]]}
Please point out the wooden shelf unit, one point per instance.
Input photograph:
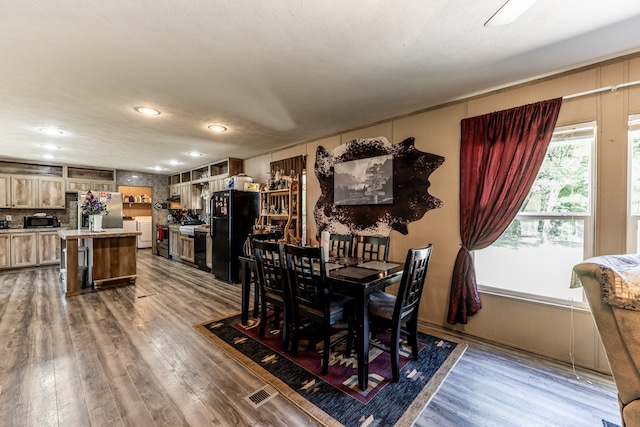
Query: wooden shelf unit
{"points": [[281, 209]]}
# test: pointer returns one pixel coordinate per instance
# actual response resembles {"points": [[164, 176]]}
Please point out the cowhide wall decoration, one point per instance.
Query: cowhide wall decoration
{"points": [[411, 200]]}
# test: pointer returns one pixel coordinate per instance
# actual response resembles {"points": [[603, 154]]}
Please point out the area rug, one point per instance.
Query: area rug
{"points": [[335, 399]]}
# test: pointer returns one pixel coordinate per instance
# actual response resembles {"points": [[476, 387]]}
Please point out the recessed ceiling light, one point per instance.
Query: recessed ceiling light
{"points": [[217, 128], [509, 12], [147, 111], [51, 131], [157, 168], [195, 154], [173, 162], [48, 156]]}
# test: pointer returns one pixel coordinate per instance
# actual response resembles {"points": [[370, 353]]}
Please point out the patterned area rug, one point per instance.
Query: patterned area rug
{"points": [[335, 399]]}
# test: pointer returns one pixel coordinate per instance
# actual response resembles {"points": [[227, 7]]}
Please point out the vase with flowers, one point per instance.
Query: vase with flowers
{"points": [[94, 208]]}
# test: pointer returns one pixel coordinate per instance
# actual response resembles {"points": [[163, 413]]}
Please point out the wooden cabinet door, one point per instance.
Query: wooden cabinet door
{"points": [[174, 242], [185, 196], [23, 249], [24, 191], [48, 248], [5, 250], [103, 186], [187, 250], [78, 185], [51, 193], [5, 191]]}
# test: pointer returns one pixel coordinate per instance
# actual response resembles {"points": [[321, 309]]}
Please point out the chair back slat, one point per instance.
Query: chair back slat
{"points": [[341, 245], [372, 248], [306, 269], [413, 279]]}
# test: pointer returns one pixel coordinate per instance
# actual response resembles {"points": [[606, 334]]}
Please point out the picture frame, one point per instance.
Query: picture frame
{"points": [[367, 181]]}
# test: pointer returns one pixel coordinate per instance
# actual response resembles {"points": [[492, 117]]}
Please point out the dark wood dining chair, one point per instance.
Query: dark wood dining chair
{"points": [[372, 248], [341, 245], [273, 287], [311, 297], [400, 312], [273, 236]]}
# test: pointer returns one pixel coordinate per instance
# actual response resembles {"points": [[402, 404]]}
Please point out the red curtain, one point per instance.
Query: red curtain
{"points": [[500, 155]]}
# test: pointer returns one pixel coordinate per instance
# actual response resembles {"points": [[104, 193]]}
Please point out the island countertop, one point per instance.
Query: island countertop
{"points": [[75, 234]]}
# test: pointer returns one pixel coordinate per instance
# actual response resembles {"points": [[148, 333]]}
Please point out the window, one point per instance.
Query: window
{"points": [[553, 231], [634, 185]]}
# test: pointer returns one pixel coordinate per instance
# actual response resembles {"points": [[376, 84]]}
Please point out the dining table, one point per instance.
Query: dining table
{"points": [[351, 277]]}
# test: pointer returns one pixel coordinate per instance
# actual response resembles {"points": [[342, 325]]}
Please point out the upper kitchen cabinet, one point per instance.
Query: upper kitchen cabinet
{"points": [[5, 191], [89, 179], [24, 192], [28, 192], [31, 185], [51, 193]]}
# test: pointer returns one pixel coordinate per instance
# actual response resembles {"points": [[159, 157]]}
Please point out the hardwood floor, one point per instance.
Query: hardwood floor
{"points": [[130, 356]]}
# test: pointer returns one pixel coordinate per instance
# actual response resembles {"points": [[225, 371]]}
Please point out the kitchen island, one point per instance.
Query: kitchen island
{"points": [[111, 256]]}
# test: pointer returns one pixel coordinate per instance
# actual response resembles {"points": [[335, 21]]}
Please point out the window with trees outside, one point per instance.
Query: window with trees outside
{"points": [[553, 230], [634, 185]]}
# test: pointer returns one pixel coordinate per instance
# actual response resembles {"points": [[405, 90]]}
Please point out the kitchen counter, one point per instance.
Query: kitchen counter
{"points": [[31, 230], [105, 234], [112, 257]]}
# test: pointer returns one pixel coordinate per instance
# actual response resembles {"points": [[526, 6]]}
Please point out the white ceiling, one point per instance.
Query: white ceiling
{"points": [[276, 73]]}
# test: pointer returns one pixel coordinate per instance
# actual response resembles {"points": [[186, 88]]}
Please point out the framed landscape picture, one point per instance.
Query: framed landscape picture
{"points": [[367, 181]]}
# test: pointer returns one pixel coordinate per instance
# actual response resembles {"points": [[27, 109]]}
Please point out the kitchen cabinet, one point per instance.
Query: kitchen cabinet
{"points": [[48, 248], [5, 191], [187, 250], [185, 195], [5, 251], [24, 191], [24, 249], [51, 193], [28, 192], [85, 179], [174, 242], [87, 185]]}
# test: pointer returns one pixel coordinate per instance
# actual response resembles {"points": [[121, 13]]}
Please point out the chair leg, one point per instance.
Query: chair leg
{"points": [[327, 346], [263, 319], [256, 297], [412, 337], [285, 332], [395, 352], [295, 339]]}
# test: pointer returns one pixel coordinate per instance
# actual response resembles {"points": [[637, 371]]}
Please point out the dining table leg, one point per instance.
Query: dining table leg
{"points": [[362, 341]]}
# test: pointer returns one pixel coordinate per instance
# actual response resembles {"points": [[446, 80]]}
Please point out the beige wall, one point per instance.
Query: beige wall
{"points": [[540, 328]]}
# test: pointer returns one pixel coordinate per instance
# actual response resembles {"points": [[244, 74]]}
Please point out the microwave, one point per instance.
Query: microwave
{"points": [[41, 221]]}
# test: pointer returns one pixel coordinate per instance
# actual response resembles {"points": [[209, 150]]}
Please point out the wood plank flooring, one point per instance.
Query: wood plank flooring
{"points": [[129, 357]]}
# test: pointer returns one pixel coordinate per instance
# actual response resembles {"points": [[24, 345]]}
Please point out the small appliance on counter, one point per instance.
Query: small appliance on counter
{"points": [[41, 220], [4, 224]]}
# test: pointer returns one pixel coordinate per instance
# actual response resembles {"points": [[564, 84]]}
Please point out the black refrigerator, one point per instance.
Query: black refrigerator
{"points": [[233, 214]]}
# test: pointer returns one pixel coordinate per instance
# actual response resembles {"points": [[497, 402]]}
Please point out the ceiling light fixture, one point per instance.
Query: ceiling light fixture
{"points": [[147, 111], [217, 128], [48, 156], [195, 154], [157, 168], [509, 12], [51, 131], [173, 162]]}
